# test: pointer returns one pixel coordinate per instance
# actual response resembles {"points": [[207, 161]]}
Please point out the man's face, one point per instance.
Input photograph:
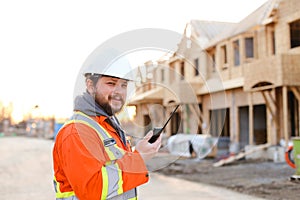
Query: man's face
{"points": [[110, 94]]}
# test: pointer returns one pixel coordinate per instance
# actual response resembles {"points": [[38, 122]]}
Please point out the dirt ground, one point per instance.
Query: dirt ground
{"points": [[26, 169], [22, 159], [261, 178]]}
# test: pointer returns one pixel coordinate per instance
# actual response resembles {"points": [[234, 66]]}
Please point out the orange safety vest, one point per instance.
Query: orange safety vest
{"points": [[90, 162]]}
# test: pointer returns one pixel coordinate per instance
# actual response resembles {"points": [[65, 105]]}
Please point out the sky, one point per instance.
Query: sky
{"points": [[43, 44]]}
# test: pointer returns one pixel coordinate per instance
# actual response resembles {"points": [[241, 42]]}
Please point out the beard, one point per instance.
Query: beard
{"points": [[107, 104]]}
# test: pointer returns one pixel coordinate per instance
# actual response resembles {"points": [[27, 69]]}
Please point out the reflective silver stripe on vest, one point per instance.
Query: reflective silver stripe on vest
{"points": [[113, 180], [131, 194], [115, 150], [68, 198]]}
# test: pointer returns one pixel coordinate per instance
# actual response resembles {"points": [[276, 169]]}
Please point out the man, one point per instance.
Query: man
{"points": [[92, 158]]}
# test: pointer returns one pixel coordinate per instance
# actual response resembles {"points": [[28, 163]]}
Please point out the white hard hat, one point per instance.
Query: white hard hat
{"points": [[108, 62]]}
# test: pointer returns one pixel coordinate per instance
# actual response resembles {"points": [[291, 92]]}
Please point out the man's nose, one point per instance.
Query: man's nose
{"points": [[119, 89]]}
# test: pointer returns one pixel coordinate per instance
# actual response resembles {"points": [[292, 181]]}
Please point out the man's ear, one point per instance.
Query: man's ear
{"points": [[90, 86]]}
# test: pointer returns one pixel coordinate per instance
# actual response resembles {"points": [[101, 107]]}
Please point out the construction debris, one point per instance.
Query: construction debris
{"points": [[240, 155]]}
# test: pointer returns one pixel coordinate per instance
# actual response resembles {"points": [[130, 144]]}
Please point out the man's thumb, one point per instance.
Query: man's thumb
{"points": [[148, 136]]}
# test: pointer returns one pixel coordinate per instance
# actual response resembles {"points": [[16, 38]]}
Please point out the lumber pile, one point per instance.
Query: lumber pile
{"points": [[240, 155]]}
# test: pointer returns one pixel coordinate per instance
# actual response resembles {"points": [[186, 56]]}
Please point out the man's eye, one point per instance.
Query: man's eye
{"points": [[111, 83]]}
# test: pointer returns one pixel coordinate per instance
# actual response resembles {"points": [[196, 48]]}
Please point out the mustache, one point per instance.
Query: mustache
{"points": [[116, 97]]}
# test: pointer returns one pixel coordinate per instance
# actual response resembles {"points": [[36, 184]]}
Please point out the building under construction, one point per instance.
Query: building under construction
{"points": [[233, 80]]}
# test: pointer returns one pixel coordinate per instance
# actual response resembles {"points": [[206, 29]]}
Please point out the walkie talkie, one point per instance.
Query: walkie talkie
{"points": [[157, 130]]}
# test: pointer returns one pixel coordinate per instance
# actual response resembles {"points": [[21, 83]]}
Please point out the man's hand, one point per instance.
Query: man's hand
{"points": [[146, 149]]}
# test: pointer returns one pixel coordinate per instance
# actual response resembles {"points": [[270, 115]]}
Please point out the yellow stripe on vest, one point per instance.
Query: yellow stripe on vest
{"points": [[104, 183], [60, 194]]}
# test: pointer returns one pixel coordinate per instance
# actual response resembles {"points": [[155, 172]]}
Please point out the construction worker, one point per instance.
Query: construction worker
{"points": [[92, 158]]}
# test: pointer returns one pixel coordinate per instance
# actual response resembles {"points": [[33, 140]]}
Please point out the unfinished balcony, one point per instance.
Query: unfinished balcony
{"points": [[271, 72]]}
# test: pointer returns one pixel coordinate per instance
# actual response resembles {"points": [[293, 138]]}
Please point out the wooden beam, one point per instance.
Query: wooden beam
{"points": [[262, 88], [196, 113], [195, 109], [285, 115], [241, 155], [296, 93], [268, 104], [272, 99], [272, 108], [251, 128]]}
